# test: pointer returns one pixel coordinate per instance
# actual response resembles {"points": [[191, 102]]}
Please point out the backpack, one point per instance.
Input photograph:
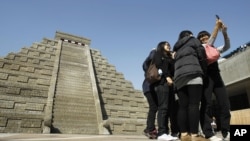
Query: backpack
{"points": [[152, 74]]}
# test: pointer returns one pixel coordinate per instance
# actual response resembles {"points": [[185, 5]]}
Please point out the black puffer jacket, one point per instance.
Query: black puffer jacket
{"points": [[190, 60]]}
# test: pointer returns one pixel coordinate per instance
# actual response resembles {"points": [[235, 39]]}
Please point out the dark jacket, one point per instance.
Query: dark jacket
{"points": [[147, 61], [190, 60], [145, 65], [165, 63], [213, 68]]}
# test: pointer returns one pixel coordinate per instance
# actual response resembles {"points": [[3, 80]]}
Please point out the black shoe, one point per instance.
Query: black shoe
{"points": [[175, 135], [150, 134]]}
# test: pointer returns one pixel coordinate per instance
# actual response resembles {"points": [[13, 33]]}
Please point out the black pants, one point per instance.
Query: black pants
{"points": [[172, 112], [173, 105], [153, 107], [188, 113], [162, 92], [214, 84]]}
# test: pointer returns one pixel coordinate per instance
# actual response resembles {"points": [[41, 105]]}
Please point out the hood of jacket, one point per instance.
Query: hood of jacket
{"points": [[181, 42]]}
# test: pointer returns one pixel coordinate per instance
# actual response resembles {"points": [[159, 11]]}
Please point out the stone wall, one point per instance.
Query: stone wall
{"points": [[24, 84]]}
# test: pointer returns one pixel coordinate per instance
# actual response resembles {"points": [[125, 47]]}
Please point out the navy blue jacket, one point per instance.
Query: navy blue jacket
{"points": [[145, 65]]}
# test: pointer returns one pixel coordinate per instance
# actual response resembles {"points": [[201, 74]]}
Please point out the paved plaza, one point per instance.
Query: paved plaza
{"points": [[72, 137]]}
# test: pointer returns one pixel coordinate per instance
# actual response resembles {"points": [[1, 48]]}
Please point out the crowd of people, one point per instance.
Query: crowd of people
{"points": [[180, 103]]}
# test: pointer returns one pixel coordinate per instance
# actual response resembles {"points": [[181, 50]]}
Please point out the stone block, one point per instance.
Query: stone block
{"points": [[117, 101], [14, 67], [13, 90], [27, 69], [122, 114], [41, 47], [35, 45], [23, 79], [50, 49], [46, 63], [7, 104], [45, 72], [20, 106], [10, 56], [133, 104], [129, 127], [13, 126], [48, 56], [23, 59], [1, 64], [117, 128], [32, 123], [3, 121], [24, 51], [34, 93], [3, 76], [35, 61], [34, 106], [32, 53], [45, 82], [125, 102]]}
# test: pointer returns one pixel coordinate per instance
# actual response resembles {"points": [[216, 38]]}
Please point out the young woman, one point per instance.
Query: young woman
{"points": [[150, 131], [190, 65], [214, 84], [162, 58]]}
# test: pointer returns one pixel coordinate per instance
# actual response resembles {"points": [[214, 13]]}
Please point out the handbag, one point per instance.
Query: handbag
{"points": [[212, 53], [152, 74]]}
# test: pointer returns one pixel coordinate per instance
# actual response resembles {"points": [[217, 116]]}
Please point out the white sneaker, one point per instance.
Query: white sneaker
{"points": [[166, 137], [214, 138], [227, 138], [173, 138]]}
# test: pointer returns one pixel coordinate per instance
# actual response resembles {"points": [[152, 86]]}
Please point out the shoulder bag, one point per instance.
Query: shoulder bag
{"points": [[212, 53], [152, 75]]}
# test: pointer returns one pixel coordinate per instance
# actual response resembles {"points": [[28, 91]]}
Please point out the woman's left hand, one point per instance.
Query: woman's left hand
{"points": [[169, 81]]}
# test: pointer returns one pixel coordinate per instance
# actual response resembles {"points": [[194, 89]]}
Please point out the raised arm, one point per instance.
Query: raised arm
{"points": [[226, 45], [214, 34]]}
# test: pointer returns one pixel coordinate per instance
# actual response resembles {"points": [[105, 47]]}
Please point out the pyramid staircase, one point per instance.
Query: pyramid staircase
{"points": [[74, 104]]}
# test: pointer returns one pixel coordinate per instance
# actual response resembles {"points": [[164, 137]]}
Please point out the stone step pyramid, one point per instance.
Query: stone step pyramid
{"points": [[62, 85]]}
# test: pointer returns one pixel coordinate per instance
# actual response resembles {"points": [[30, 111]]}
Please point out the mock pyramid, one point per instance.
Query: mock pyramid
{"points": [[62, 85]]}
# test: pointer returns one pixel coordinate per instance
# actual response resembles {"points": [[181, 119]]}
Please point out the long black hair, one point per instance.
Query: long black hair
{"points": [[161, 48]]}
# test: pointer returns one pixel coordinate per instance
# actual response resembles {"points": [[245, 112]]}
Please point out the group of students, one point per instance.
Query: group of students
{"points": [[183, 95]]}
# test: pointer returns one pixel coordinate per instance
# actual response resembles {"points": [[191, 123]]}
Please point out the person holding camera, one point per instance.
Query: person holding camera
{"points": [[214, 84]]}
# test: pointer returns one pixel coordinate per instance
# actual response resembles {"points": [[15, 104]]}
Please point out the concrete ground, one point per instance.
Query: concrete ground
{"points": [[72, 137]]}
